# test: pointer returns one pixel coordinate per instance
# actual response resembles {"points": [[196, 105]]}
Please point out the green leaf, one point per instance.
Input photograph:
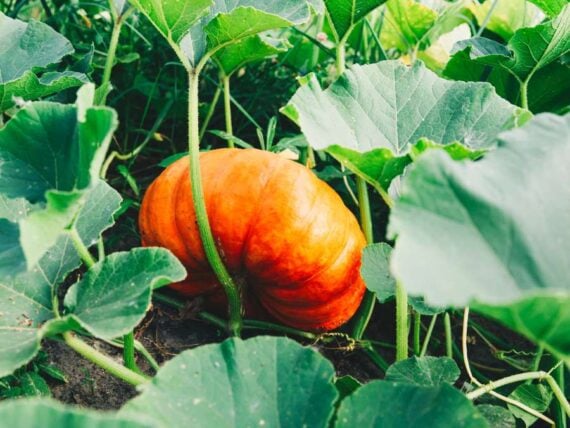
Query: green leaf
{"points": [[385, 404], [264, 381], [504, 220], [346, 385], [28, 45], [223, 23], [25, 300], [528, 51], [31, 87], [535, 396], [409, 25], [345, 14], [424, 371], [11, 254], [51, 154], [497, 417], [250, 49], [551, 7], [27, 48], [371, 116], [33, 385], [173, 18], [113, 296], [50, 413]]}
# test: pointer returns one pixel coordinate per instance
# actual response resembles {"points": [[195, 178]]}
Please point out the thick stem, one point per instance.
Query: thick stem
{"points": [[208, 242], [448, 336], [401, 322], [129, 352], [111, 53], [103, 360], [228, 108], [417, 331], [211, 110]]}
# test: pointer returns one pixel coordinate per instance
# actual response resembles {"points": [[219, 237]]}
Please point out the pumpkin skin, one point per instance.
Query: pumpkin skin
{"points": [[281, 231]]}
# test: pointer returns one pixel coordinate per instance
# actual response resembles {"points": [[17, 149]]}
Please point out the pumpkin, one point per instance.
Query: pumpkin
{"points": [[284, 235]]}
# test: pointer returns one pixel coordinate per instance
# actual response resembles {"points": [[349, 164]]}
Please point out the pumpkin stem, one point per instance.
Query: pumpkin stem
{"points": [[208, 241]]}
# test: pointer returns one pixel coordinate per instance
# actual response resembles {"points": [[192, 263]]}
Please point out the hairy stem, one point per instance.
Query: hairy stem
{"points": [[208, 241], [211, 110], [103, 361], [448, 335], [417, 331], [129, 352], [80, 247]]}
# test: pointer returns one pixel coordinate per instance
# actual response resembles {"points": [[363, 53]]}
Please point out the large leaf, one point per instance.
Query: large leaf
{"points": [[345, 14], [50, 413], [370, 118], [385, 404], [114, 295], [27, 48], [25, 300], [424, 371], [494, 231], [265, 381], [528, 51], [548, 90], [50, 154], [222, 23]]}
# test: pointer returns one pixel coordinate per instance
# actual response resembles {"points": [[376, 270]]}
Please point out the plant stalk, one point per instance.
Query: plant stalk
{"points": [[417, 331], [428, 335], [211, 110], [208, 242], [228, 108], [401, 322], [103, 360], [562, 405], [111, 54], [448, 336], [129, 352], [80, 247]]}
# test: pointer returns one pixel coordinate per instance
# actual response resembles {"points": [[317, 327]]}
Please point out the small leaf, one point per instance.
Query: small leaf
{"points": [[345, 14], [346, 385], [537, 397], [424, 371], [385, 404], [264, 381], [114, 295], [33, 385]]}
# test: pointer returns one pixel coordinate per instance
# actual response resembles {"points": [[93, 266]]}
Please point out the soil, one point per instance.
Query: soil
{"points": [[166, 332]]}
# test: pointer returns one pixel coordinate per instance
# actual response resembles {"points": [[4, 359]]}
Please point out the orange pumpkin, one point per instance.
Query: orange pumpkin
{"points": [[284, 235]]}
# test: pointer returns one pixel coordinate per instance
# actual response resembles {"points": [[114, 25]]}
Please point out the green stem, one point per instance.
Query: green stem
{"points": [[448, 335], [129, 352], [80, 247], [103, 360], [111, 53], [341, 57], [537, 358], [562, 404], [417, 331], [211, 111], [228, 109], [401, 322], [428, 335], [524, 94], [539, 375], [208, 242]]}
